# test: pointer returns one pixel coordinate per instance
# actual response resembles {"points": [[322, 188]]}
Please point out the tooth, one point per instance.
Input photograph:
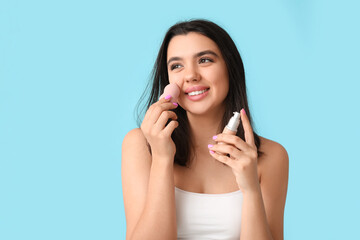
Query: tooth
{"points": [[197, 92]]}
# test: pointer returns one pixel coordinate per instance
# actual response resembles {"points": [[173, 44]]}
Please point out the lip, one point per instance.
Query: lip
{"points": [[198, 97], [195, 88]]}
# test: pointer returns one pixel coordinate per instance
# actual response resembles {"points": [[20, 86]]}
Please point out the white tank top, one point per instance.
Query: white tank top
{"points": [[203, 216]]}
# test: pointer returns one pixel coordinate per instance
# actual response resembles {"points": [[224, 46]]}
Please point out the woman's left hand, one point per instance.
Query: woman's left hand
{"points": [[242, 156]]}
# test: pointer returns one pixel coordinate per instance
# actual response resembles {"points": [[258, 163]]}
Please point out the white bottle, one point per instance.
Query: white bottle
{"points": [[232, 126]]}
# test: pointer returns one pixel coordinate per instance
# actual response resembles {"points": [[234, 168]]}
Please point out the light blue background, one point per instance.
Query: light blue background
{"points": [[71, 73]]}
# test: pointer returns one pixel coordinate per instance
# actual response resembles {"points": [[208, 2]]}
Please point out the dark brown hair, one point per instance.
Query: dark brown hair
{"points": [[235, 100]]}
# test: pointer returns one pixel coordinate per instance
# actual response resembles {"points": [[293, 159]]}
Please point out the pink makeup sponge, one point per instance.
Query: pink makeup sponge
{"points": [[173, 90]]}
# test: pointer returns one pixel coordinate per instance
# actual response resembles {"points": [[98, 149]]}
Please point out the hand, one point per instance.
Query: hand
{"points": [[242, 156], [156, 133]]}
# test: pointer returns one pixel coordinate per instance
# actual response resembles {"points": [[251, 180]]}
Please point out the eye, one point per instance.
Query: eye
{"points": [[174, 66], [205, 60]]}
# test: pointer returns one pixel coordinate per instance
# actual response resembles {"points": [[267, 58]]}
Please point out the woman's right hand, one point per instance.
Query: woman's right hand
{"points": [[156, 133]]}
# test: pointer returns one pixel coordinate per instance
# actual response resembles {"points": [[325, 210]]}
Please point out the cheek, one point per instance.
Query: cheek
{"points": [[226, 86], [222, 88], [174, 78], [225, 81], [221, 80]]}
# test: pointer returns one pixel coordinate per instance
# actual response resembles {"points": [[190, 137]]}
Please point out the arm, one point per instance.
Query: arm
{"points": [[264, 200], [148, 191], [263, 209]]}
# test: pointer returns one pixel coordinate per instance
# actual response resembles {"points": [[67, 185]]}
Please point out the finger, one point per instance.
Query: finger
{"points": [[149, 112], [167, 97], [168, 130], [161, 100], [164, 117], [162, 96], [222, 158], [162, 105], [249, 135], [226, 149], [233, 140]]}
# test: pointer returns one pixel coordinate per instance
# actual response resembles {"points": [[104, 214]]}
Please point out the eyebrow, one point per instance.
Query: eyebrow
{"points": [[199, 54]]}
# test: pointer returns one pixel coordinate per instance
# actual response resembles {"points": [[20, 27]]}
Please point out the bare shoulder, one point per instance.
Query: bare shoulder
{"points": [[135, 155], [275, 159], [134, 136], [274, 151], [135, 143], [135, 171], [274, 170]]}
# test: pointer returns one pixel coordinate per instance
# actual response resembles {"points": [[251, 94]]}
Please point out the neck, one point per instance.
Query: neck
{"points": [[204, 127]]}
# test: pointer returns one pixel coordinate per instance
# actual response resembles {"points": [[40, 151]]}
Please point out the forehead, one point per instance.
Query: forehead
{"points": [[187, 45]]}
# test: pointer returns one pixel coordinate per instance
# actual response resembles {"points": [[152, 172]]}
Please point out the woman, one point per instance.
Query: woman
{"points": [[182, 177]]}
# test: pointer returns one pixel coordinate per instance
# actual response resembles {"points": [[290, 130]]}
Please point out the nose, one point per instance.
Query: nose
{"points": [[191, 74]]}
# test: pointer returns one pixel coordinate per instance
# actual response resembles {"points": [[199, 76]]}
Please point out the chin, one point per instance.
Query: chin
{"points": [[199, 110]]}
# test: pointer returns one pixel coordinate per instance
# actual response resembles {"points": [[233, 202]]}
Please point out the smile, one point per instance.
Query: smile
{"points": [[197, 92]]}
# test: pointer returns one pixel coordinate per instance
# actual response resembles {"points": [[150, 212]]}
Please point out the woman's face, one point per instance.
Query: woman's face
{"points": [[195, 64]]}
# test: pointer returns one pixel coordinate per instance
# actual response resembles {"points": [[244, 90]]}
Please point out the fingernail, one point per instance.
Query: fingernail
{"points": [[214, 137], [210, 146], [211, 151], [168, 97], [175, 104], [243, 111]]}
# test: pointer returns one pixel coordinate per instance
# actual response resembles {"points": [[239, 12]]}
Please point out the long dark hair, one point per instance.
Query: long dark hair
{"points": [[235, 100]]}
